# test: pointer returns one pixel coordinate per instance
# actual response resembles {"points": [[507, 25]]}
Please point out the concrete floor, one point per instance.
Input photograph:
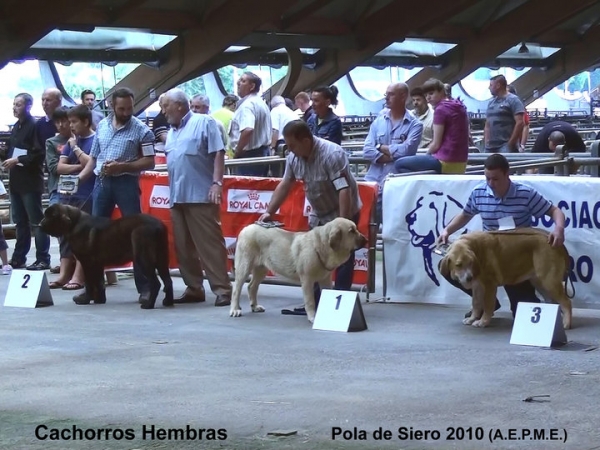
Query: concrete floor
{"points": [[116, 366]]}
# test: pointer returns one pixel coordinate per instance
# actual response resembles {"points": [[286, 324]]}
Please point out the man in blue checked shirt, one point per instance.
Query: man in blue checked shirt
{"points": [[501, 201], [393, 135], [123, 147]]}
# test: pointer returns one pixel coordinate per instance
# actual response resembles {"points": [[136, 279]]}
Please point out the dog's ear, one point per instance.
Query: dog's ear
{"points": [[444, 267], [335, 238], [475, 264]]}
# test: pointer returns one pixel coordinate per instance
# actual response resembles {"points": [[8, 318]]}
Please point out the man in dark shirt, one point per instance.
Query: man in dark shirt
{"points": [[570, 137], [160, 126], [26, 183]]}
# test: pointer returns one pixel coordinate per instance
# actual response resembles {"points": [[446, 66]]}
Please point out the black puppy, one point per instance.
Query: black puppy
{"points": [[98, 242]]}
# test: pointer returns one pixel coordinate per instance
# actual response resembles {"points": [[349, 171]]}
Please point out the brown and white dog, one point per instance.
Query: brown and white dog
{"points": [[482, 261]]}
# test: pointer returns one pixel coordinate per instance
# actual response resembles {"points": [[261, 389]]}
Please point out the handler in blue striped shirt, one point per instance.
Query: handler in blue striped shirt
{"points": [[501, 201]]}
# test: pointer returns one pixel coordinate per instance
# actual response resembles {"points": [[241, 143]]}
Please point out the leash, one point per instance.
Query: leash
{"points": [[567, 280]]}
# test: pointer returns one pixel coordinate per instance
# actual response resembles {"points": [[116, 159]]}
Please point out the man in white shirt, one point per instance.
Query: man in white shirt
{"points": [[424, 112], [281, 115], [250, 130]]}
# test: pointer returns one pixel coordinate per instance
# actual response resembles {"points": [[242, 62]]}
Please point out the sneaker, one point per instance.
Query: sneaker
{"points": [[39, 265], [7, 269]]}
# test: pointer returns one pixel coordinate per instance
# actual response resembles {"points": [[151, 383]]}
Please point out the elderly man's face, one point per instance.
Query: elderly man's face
{"points": [[197, 106], [174, 111], [395, 98], [50, 101]]}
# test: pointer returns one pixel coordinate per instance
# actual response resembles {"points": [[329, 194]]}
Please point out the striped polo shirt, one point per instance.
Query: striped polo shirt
{"points": [[520, 202], [327, 163]]}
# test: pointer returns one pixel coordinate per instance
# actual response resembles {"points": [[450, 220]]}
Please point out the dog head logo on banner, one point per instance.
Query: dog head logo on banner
{"points": [[432, 213]]}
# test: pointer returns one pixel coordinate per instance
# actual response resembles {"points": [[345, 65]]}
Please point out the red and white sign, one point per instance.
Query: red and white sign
{"points": [[230, 243], [248, 201], [361, 259], [307, 208], [160, 197]]}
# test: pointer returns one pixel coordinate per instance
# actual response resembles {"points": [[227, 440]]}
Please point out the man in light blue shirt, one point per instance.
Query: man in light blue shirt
{"points": [[196, 162], [393, 135]]}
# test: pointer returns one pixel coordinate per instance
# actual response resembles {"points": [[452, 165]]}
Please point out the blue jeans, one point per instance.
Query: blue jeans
{"points": [[123, 191], [53, 198], [417, 163], [27, 213], [259, 170], [64, 247]]}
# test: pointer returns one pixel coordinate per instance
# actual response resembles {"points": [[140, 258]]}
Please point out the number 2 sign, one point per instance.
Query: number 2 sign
{"points": [[538, 325], [28, 289]]}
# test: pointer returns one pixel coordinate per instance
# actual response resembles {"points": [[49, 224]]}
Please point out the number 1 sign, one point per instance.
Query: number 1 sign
{"points": [[339, 311], [28, 289], [538, 325]]}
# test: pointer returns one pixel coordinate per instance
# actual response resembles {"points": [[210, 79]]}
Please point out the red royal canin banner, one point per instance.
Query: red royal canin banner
{"points": [[244, 200]]}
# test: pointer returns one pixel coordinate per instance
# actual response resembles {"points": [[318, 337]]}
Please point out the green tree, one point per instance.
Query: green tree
{"points": [[193, 87], [226, 75]]}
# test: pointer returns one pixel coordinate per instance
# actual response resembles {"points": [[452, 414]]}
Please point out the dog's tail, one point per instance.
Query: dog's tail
{"points": [[568, 276]]}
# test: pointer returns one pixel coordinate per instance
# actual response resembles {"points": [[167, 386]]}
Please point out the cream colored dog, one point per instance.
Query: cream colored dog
{"points": [[304, 257], [482, 261]]}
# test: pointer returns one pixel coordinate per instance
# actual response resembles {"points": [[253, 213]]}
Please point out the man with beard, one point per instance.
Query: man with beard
{"points": [[123, 147]]}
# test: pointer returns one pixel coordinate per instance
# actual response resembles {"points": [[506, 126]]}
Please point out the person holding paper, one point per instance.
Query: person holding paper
{"points": [[26, 184], [504, 204]]}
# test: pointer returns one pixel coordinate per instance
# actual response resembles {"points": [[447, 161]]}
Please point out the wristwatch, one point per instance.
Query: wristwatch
{"points": [[218, 183], [378, 147]]}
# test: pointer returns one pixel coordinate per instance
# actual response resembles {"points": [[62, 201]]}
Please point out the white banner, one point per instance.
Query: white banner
{"points": [[417, 208]]}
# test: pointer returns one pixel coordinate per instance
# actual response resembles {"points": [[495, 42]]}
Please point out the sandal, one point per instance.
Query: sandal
{"points": [[56, 285], [72, 287]]}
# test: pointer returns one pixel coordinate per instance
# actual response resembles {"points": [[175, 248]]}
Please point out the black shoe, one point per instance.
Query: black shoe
{"points": [[294, 312], [222, 300], [16, 265], [39, 265], [498, 306], [189, 297]]}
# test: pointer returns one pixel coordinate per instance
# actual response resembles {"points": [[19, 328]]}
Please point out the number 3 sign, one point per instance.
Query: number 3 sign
{"points": [[539, 325], [339, 311], [28, 289]]}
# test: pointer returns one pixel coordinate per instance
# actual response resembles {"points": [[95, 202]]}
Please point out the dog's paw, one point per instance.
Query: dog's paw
{"points": [[235, 313], [311, 318], [480, 323], [258, 308], [468, 321]]}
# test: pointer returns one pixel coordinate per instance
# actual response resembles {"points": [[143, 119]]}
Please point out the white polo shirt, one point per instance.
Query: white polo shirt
{"points": [[252, 112]]}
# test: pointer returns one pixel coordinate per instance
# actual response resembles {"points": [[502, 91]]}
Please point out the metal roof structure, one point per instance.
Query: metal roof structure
{"points": [[319, 40]]}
